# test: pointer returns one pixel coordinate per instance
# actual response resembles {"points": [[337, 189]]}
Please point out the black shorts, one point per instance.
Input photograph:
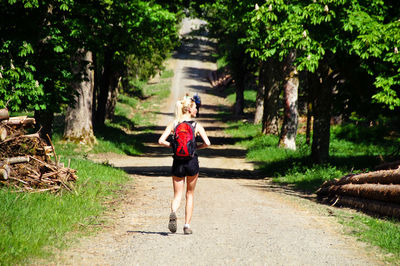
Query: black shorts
{"points": [[183, 168]]}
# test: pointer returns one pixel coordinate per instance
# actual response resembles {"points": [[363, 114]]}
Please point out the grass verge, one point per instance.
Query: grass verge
{"points": [[31, 223]]}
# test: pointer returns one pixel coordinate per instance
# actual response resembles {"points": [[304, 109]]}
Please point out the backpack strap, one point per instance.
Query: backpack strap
{"points": [[192, 123]]}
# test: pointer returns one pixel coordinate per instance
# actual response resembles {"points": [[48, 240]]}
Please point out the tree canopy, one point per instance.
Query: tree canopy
{"points": [[38, 39]]}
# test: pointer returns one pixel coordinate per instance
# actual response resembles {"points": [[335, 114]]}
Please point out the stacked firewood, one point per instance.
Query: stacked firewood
{"points": [[373, 192], [219, 78], [25, 159]]}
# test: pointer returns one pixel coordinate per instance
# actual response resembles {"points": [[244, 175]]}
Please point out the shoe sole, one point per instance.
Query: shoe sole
{"points": [[187, 232], [172, 222]]}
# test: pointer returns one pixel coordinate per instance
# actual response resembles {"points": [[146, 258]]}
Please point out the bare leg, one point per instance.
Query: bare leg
{"points": [[191, 185], [178, 183]]}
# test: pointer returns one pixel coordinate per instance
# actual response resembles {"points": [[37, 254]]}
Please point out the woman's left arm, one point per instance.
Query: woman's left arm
{"points": [[203, 135], [163, 139]]}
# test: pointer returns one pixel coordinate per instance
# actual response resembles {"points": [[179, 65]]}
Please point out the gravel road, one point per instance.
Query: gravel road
{"points": [[239, 218]]}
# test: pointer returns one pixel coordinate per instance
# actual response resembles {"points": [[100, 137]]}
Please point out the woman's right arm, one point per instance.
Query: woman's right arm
{"points": [[163, 139]]}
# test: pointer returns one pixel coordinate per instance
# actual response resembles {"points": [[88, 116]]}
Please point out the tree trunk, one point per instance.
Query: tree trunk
{"points": [[291, 114], [104, 86], [308, 126], [322, 116], [44, 122], [96, 85], [112, 96], [310, 88], [78, 119], [240, 83], [260, 95], [271, 98]]}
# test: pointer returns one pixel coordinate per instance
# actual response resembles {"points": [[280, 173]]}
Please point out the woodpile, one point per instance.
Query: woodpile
{"points": [[219, 79], [25, 159], [375, 192]]}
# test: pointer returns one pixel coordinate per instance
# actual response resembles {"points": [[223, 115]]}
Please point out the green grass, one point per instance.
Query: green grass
{"points": [[249, 97], [33, 225], [29, 222], [383, 233], [166, 74]]}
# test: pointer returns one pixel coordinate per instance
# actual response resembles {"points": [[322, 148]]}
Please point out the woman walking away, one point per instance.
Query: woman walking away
{"points": [[186, 163]]}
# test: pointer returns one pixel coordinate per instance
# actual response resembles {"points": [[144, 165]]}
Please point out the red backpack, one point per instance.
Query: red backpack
{"points": [[184, 141]]}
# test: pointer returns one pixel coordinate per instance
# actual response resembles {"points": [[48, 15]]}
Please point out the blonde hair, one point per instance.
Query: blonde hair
{"points": [[182, 107]]}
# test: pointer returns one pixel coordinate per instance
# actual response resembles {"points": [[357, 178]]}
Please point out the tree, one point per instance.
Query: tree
{"points": [[290, 119], [225, 23], [138, 28], [258, 114], [39, 41], [35, 44], [270, 122], [78, 118]]}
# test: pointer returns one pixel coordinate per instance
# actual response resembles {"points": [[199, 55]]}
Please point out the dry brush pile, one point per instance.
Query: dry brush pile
{"points": [[25, 159], [373, 192], [220, 78]]}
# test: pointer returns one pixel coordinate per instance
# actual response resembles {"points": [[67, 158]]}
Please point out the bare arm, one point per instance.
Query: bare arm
{"points": [[163, 139], [203, 135]]}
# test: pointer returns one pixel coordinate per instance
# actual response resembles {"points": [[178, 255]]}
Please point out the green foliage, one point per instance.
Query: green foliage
{"points": [[39, 42], [35, 59], [359, 133], [320, 31], [376, 41]]}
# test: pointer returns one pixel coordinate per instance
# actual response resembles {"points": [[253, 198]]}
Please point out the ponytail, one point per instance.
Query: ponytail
{"points": [[182, 107]]}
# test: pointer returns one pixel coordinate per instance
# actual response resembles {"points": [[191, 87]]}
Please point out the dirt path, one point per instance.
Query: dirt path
{"points": [[238, 219]]}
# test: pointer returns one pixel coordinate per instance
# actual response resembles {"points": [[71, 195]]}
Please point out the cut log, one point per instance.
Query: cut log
{"points": [[20, 120], [374, 206], [4, 114], [3, 133], [386, 193], [4, 172], [18, 159], [386, 166], [381, 177]]}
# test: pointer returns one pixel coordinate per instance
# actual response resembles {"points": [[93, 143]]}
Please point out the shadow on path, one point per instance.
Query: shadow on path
{"points": [[205, 172], [149, 233]]}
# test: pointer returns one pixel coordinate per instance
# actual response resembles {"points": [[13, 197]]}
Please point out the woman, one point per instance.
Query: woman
{"points": [[185, 110]]}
